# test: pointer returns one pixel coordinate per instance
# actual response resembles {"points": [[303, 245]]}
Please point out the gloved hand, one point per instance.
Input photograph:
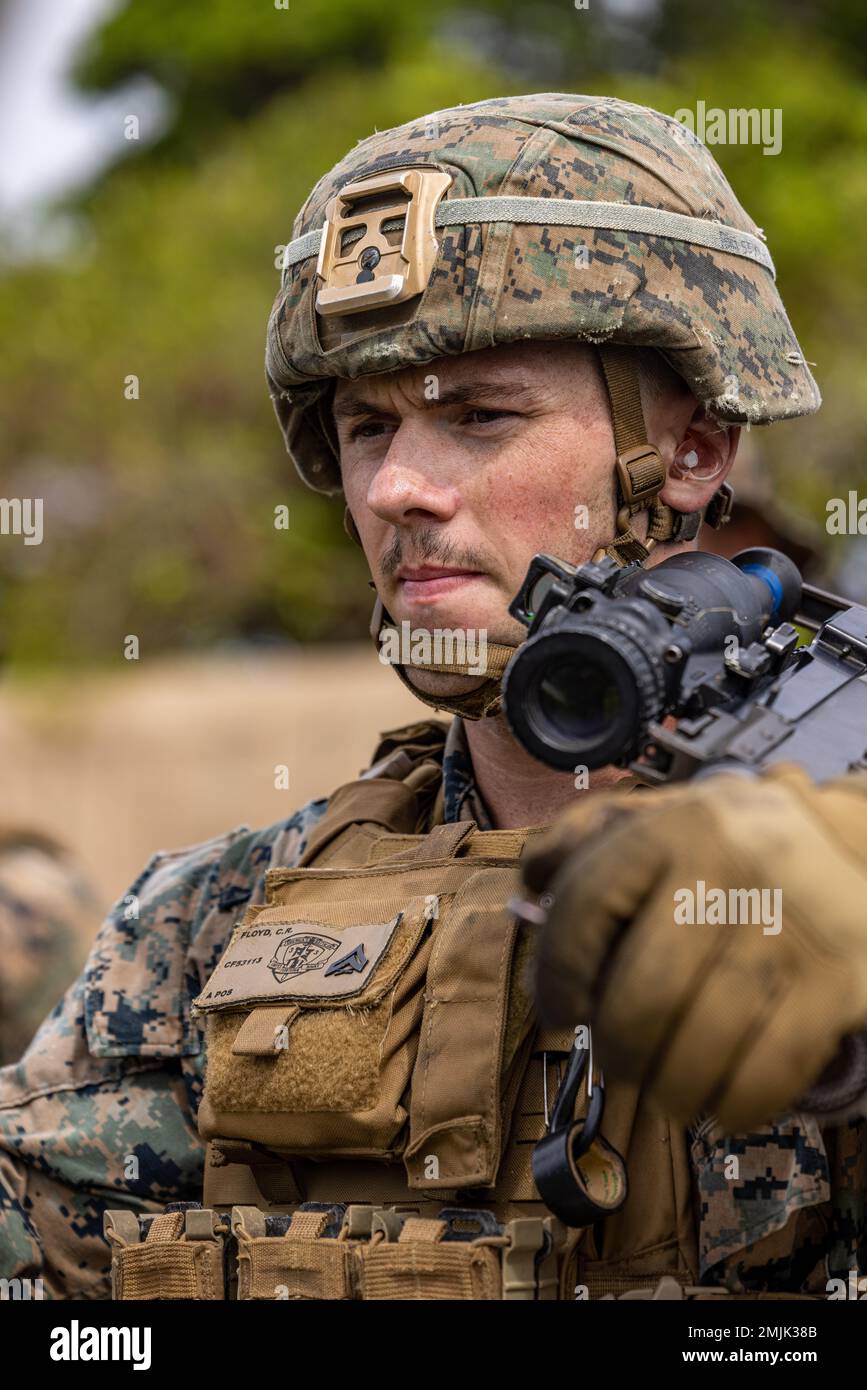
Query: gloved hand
{"points": [[733, 1019]]}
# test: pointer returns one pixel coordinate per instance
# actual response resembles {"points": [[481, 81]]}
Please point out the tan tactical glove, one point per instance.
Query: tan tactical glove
{"points": [[735, 1016]]}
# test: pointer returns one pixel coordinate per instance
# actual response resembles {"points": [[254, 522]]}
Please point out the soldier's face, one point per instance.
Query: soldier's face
{"points": [[458, 472]]}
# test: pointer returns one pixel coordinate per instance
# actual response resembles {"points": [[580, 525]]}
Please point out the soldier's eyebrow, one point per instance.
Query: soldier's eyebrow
{"points": [[505, 394]]}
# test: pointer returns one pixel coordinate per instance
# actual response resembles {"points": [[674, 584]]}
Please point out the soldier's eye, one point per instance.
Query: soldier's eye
{"points": [[478, 416], [367, 429]]}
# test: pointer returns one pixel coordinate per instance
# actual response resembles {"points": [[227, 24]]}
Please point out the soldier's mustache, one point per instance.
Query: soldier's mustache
{"points": [[425, 545]]}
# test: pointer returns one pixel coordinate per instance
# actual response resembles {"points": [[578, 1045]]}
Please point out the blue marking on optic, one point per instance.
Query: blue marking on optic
{"points": [[769, 579]]}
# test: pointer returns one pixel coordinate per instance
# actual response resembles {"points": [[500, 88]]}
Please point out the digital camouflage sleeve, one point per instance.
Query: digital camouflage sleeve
{"points": [[100, 1109]]}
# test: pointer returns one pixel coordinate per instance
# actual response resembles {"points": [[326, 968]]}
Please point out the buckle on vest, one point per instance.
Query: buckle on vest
{"points": [[530, 1259], [378, 244]]}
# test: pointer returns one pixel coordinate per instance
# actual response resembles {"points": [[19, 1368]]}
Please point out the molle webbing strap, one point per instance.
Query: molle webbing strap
{"points": [[233, 1181], [258, 1034], [169, 1226], [661, 523], [307, 1225], [499, 844], [421, 1228], [625, 548], [442, 842]]}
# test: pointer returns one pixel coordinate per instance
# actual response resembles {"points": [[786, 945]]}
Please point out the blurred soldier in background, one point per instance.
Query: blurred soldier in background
{"points": [[46, 907], [761, 517]]}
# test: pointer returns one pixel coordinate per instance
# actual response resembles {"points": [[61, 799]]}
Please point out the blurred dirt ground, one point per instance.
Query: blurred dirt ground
{"points": [[166, 753]]}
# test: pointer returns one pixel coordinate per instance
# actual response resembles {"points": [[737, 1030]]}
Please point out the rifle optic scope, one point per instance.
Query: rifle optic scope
{"points": [[608, 647]]}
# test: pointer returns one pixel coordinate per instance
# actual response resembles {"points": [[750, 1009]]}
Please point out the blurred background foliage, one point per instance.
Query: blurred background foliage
{"points": [[159, 511]]}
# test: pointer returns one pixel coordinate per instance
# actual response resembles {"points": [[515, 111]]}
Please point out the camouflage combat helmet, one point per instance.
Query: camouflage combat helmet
{"points": [[548, 216]]}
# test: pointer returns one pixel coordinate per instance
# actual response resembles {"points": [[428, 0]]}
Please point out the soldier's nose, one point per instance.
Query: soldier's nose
{"points": [[409, 486]]}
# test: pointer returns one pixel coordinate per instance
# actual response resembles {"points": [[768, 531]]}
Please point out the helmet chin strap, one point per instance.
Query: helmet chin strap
{"points": [[640, 470], [641, 476], [483, 702]]}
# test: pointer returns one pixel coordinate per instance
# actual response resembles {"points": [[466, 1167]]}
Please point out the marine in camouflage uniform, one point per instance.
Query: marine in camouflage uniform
{"points": [[46, 910], [101, 1110]]}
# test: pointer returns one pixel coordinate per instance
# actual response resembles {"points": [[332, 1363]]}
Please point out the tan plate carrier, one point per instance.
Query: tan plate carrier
{"points": [[376, 1082]]}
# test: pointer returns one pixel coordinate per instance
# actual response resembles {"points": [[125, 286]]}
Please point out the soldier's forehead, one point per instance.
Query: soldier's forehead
{"points": [[520, 368]]}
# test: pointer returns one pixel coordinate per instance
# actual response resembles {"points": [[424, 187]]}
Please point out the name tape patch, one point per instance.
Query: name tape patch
{"points": [[297, 960]]}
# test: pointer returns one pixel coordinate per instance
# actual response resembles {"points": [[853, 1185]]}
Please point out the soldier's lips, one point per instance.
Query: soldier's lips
{"points": [[420, 586]]}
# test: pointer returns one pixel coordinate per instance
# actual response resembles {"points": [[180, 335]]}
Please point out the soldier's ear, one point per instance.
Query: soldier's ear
{"points": [[701, 461]]}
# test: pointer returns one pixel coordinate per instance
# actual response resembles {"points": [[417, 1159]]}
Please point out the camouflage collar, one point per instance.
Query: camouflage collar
{"points": [[463, 800]]}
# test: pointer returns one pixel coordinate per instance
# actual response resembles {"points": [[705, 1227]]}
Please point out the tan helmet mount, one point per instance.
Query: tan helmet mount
{"points": [[392, 216]]}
